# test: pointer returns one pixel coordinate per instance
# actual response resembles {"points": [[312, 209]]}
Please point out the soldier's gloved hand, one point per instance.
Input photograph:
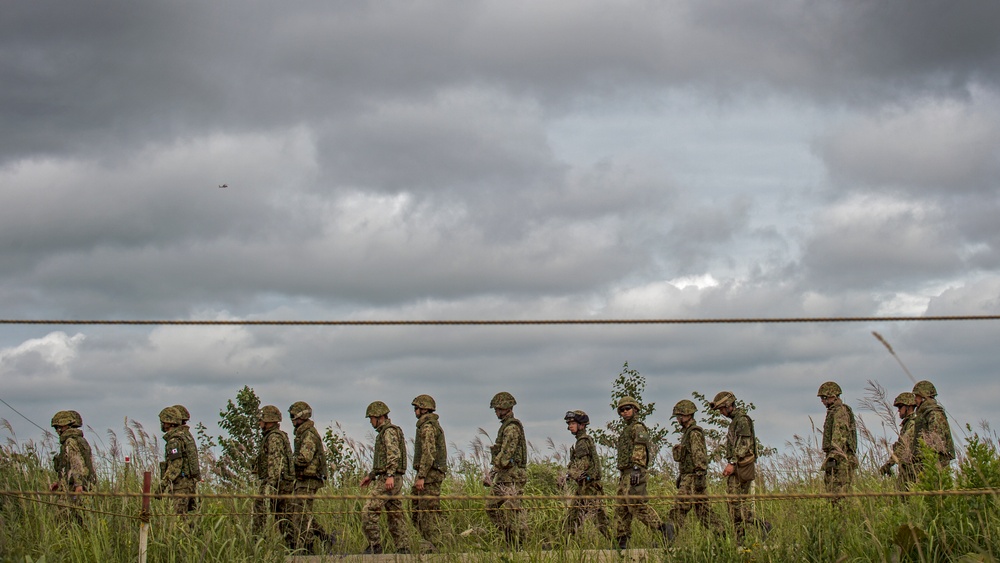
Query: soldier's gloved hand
{"points": [[831, 464], [677, 482], [886, 469], [634, 478], [699, 481]]}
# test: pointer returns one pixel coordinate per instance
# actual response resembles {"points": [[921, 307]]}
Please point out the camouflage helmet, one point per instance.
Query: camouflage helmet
{"points": [[502, 400], [170, 415], [829, 389], [63, 418], [424, 402], [270, 413], [684, 407], [925, 389], [578, 417], [181, 410], [300, 409], [722, 398], [627, 401], [377, 408], [906, 399]]}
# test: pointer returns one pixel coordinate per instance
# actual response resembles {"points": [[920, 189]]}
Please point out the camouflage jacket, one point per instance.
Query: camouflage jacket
{"points": [[510, 452], [840, 435], [74, 464], [430, 451], [931, 427], [902, 450], [584, 464], [691, 454], [274, 460], [741, 441], [176, 464], [309, 459], [390, 451], [191, 451], [633, 446]]}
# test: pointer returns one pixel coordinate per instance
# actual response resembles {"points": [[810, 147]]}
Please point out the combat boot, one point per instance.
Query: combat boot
{"points": [[373, 549], [668, 532], [622, 542]]}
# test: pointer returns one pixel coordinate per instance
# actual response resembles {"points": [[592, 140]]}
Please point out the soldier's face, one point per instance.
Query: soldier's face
{"points": [[374, 421], [920, 400], [572, 426], [500, 412], [828, 400], [626, 412], [685, 419]]}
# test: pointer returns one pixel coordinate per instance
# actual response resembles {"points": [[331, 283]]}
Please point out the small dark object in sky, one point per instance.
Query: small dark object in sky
{"points": [[223, 185]]}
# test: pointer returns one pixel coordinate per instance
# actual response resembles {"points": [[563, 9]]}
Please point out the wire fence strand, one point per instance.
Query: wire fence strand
{"points": [[494, 322]]}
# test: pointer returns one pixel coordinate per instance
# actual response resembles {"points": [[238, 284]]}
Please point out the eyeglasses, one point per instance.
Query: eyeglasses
{"points": [[625, 408]]}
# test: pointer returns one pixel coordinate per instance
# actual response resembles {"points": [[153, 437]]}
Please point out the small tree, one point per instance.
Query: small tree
{"points": [[630, 383], [239, 448]]}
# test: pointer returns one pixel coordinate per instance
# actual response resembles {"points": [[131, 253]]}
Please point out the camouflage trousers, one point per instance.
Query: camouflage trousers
{"points": [[907, 474], [183, 486], [506, 513], [425, 512], [694, 484], [628, 508], [278, 508], [70, 506], [583, 507], [393, 508], [304, 528], [838, 474], [740, 510]]}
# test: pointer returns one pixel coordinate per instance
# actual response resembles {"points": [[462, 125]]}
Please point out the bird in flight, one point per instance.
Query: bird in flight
{"points": [[223, 185]]}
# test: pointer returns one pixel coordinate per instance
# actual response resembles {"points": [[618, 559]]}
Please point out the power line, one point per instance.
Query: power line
{"points": [[47, 433], [495, 322]]}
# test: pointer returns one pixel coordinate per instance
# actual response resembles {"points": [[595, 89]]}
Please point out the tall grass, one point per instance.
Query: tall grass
{"points": [[857, 529]]}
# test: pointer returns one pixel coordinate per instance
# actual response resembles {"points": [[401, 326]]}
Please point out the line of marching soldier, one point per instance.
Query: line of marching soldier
{"points": [[300, 470]]}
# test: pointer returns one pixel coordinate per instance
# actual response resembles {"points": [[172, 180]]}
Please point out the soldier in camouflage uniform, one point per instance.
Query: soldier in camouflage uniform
{"points": [[840, 441], [430, 461], [741, 463], [903, 449], [585, 471], [190, 446], [691, 456], [309, 462], [275, 472], [177, 469], [388, 468], [931, 425], [509, 472], [74, 464], [633, 460]]}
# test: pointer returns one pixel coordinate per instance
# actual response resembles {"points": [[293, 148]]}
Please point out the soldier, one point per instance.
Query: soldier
{"points": [[903, 449], [74, 464], [931, 425], [691, 456], [430, 461], [309, 463], [190, 446], [633, 460], [509, 473], [388, 468], [585, 471], [177, 469], [741, 463], [840, 441], [275, 472]]}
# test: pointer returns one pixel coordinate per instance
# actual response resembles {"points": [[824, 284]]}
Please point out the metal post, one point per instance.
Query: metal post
{"points": [[147, 479]]}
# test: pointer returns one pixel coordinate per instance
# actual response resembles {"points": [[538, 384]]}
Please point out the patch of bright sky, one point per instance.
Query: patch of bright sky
{"points": [[757, 148]]}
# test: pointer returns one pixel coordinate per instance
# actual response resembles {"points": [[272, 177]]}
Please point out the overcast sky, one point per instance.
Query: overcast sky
{"points": [[495, 160]]}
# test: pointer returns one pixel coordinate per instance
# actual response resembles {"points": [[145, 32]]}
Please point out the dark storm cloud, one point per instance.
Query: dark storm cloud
{"points": [[88, 75]]}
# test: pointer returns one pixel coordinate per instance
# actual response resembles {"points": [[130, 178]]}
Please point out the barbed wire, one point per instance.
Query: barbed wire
{"points": [[495, 322]]}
